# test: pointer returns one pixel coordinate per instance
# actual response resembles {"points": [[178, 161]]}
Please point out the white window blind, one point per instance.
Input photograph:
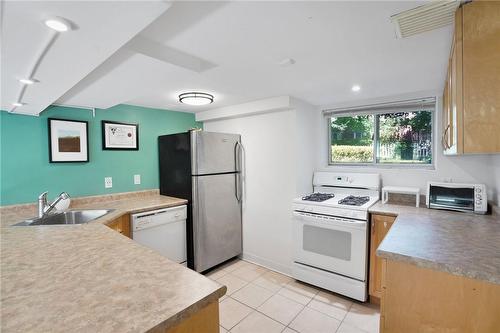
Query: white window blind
{"points": [[414, 105]]}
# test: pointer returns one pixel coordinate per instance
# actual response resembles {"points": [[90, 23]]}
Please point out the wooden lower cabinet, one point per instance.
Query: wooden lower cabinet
{"points": [[416, 299], [380, 225], [121, 225], [204, 321]]}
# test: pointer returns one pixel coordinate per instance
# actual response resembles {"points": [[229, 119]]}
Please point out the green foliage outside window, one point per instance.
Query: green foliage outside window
{"points": [[403, 137]]}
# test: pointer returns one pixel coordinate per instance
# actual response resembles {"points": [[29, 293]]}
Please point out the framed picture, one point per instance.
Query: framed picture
{"points": [[119, 136], [68, 140]]}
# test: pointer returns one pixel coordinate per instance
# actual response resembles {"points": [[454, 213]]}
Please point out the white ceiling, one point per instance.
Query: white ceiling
{"points": [[232, 49], [101, 29]]}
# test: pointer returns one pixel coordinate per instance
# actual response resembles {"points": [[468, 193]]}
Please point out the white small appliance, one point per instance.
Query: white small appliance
{"points": [[470, 198], [331, 232], [163, 230]]}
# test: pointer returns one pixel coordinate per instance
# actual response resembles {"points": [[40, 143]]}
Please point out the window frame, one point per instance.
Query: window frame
{"points": [[374, 163]]}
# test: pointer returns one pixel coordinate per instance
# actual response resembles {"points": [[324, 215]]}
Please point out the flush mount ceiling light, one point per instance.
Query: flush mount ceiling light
{"points": [[356, 88], [27, 81], [196, 98], [58, 24]]}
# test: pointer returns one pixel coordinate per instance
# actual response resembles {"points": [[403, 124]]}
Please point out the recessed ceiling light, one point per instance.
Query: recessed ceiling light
{"points": [[286, 62], [356, 88], [18, 104], [58, 24], [196, 98], [27, 81]]}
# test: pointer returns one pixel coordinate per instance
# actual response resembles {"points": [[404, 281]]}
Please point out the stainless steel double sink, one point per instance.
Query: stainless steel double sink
{"points": [[67, 217]]}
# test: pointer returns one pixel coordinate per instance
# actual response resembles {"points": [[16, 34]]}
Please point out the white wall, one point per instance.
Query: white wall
{"points": [[468, 169], [283, 148], [279, 165], [305, 145], [495, 162]]}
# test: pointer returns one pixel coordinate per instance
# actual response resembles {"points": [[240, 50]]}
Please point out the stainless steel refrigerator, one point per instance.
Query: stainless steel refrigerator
{"points": [[205, 169]]}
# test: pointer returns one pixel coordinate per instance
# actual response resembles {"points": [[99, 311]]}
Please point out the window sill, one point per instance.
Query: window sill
{"points": [[383, 166]]}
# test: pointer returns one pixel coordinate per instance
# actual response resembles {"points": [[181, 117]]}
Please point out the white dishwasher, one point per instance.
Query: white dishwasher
{"points": [[163, 230]]}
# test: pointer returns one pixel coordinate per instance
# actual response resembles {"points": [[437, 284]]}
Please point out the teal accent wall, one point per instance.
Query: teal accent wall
{"points": [[24, 159]]}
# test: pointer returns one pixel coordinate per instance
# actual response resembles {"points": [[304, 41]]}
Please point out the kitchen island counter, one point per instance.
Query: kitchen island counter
{"points": [[89, 278]]}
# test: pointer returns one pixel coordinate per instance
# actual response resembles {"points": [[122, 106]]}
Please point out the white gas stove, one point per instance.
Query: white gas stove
{"points": [[331, 232]]}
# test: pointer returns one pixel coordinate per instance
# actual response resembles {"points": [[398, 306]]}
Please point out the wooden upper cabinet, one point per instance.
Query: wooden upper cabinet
{"points": [[481, 76], [380, 225], [452, 114], [471, 101], [446, 139], [454, 133]]}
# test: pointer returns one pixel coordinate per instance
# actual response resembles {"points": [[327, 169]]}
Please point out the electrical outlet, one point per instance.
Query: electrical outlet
{"points": [[108, 182], [137, 179]]}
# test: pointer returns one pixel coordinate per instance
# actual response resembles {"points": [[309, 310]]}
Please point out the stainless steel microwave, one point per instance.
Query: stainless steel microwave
{"points": [[461, 197]]}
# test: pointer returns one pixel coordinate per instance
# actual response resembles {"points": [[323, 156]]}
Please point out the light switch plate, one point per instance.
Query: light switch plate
{"points": [[137, 179], [108, 182]]}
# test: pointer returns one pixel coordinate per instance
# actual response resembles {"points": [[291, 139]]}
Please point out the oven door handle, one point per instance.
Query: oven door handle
{"points": [[311, 219]]}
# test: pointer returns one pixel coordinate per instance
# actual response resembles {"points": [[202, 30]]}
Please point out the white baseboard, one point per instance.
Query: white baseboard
{"points": [[269, 264]]}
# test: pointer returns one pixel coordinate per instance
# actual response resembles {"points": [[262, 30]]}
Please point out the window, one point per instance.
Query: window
{"points": [[352, 139], [385, 135]]}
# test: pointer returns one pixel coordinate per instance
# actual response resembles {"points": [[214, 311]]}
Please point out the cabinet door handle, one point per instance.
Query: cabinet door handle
{"points": [[445, 139]]}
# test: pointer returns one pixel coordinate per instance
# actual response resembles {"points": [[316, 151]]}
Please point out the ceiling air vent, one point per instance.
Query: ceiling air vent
{"points": [[433, 15]]}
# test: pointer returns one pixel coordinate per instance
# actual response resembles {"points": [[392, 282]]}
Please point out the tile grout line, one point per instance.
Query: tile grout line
{"points": [[241, 318], [277, 293], [250, 305], [317, 290], [360, 329], [255, 310], [252, 308], [304, 306], [350, 307], [291, 321], [229, 296]]}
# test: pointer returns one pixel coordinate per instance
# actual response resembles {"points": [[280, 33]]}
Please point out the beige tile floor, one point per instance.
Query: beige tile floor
{"points": [[259, 300]]}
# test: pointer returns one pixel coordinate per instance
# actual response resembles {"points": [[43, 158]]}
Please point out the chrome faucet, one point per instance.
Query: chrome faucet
{"points": [[44, 207]]}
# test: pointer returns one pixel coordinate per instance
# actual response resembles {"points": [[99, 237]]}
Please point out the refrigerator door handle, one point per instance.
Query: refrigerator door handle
{"points": [[238, 152], [237, 187]]}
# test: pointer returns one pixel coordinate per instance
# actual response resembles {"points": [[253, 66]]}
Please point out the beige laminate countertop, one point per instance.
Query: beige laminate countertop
{"points": [[458, 243], [90, 278]]}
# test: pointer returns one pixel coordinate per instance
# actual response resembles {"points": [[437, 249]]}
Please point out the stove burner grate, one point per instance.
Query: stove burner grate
{"points": [[318, 197], [354, 200]]}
